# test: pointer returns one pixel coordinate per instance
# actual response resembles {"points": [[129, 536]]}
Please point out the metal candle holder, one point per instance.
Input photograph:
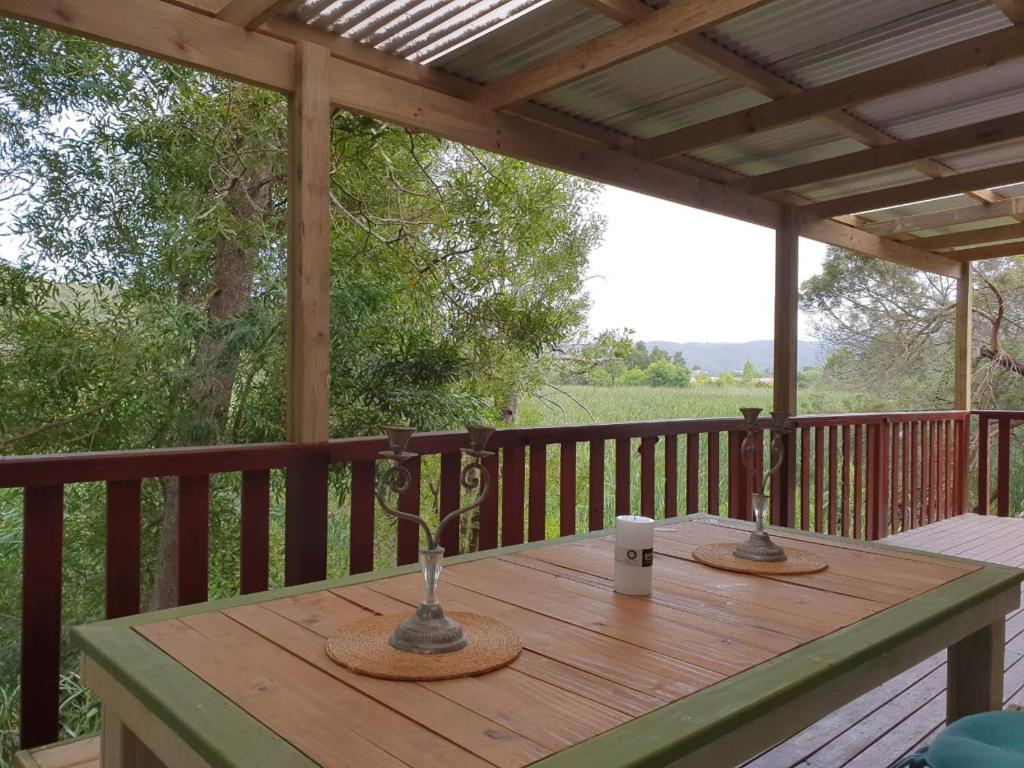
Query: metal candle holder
{"points": [[760, 546], [429, 630]]}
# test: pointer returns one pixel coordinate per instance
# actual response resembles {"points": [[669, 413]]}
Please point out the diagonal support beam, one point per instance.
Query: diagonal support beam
{"points": [[941, 64], [980, 134], [598, 53]]}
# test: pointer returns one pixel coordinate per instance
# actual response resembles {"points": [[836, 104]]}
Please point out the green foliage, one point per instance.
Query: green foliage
{"points": [[750, 373], [613, 358]]}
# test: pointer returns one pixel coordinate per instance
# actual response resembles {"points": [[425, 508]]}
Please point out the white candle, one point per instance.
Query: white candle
{"points": [[634, 554]]}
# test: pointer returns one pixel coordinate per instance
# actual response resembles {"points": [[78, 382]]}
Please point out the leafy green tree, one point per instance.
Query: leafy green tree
{"points": [[728, 380], [661, 373], [750, 373]]}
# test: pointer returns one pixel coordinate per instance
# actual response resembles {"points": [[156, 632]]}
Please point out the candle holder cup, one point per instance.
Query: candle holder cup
{"points": [[429, 630], [759, 546]]}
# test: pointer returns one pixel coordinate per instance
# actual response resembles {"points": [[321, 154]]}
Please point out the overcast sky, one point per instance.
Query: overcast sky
{"points": [[678, 274]]}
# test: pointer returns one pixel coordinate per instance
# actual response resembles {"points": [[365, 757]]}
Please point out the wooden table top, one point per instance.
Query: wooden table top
{"points": [[592, 660]]}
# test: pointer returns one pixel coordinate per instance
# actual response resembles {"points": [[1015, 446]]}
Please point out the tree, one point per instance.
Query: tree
{"points": [[892, 328], [750, 373]]}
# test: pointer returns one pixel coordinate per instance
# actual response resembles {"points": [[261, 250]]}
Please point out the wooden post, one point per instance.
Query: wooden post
{"points": [[309, 158], [787, 290], [962, 381]]}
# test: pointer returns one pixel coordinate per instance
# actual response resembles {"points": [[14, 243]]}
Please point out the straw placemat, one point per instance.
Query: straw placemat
{"points": [[797, 561], [363, 647]]}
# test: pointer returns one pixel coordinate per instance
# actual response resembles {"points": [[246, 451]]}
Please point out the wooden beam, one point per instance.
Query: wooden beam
{"points": [[941, 64], [309, 247], [251, 13], [948, 218], [853, 239], [989, 252], [1012, 9], [920, 190], [962, 356], [787, 296], [899, 153], [971, 237], [661, 27], [168, 32]]}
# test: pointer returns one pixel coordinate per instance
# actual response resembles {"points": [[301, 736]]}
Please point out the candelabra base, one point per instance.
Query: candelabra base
{"points": [[428, 631], [761, 548]]}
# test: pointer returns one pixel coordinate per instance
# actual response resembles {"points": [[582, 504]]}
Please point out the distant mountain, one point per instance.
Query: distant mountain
{"points": [[715, 357]]}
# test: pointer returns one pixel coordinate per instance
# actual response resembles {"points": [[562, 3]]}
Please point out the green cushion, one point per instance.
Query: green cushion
{"points": [[979, 741]]}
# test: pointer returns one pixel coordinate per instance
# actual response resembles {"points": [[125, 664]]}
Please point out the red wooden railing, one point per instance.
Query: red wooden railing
{"points": [[1005, 422], [856, 475]]}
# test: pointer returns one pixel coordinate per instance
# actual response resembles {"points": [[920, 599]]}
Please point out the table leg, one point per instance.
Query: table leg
{"points": [[120, 748], [975, 672]]}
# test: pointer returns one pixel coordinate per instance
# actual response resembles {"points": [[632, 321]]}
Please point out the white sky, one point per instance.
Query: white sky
{"points": [[673, 273]]}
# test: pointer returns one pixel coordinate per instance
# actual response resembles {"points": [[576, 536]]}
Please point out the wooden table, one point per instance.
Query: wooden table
{"points": [[709, 671]]}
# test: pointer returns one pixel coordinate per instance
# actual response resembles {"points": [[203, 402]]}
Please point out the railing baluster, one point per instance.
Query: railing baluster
{"points": [[881, 510], [892, 513], [43, 539], [805, 478], [450, 497], [943, 458], [254, 550], [671, 475], [567, 489], [193, 539], [1003, 469], [907, 513], [846, 500], [647, 448], [926, 472], [407, 550], [858, 482], [538, 495], [595, 495], [361, 524], [736, 474], [819, 479], [983, 470], [487, 525], [871, 477], [833, 480], [714, 474], [622, 478], [124, 500], [915, 474], [693, 473], [513, 475]]}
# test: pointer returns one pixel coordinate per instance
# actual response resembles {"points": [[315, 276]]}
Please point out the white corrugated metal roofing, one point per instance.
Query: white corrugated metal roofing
{"points": [[807, 42]]}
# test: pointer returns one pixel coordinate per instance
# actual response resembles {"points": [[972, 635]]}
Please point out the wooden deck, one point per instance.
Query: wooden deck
{"points": [[896, 718]]}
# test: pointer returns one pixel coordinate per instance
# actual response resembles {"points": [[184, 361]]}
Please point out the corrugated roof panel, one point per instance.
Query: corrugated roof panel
{"points": [[549, 28], [986, 157], [816, 41], [652, 94], [925, 206], [769, 151], [990, 93], [864, 182]]}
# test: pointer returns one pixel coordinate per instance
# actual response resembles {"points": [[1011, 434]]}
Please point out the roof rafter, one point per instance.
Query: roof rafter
{"points": [[968, 214], [921, 190], [208, 43], [661, 27], [972, 237], [939, 64], [993, 131], [989, 252], [698, 47]]}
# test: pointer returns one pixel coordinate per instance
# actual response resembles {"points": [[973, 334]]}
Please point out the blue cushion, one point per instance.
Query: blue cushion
{"points": [[979, 741]]}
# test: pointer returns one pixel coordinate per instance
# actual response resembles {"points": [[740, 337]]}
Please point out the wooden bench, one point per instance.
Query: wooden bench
{"points": [[83, 752]]}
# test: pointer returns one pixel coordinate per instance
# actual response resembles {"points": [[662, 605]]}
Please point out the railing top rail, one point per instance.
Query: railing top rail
{"points": [[999, 414], [838, 419]]}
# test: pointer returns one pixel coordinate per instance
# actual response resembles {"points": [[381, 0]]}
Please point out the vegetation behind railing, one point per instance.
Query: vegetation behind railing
{"points": [[306, 512]]}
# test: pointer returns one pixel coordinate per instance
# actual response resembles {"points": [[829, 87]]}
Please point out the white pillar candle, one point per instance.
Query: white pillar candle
{"points": [[634, 554]]}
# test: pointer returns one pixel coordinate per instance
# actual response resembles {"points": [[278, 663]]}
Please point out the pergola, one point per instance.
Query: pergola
{"points": [[888, 128]]}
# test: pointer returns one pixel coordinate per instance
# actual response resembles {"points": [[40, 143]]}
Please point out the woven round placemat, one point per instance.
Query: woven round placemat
{"points": [[363, 647], [721, 556]]}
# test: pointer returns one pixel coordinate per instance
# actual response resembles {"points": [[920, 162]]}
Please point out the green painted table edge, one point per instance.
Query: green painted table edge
{"points": [[202, 717]]}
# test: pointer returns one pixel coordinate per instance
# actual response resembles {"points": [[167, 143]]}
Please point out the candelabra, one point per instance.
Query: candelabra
{"points": [[429, 630], [760, 546]]}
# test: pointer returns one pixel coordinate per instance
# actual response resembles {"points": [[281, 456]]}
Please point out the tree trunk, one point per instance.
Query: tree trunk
{"points": [[214, 369]]}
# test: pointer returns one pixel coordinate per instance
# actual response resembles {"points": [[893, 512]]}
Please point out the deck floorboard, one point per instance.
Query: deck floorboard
{"points": [[896, 718]]}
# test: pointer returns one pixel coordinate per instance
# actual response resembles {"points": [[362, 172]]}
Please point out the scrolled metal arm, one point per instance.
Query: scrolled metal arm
{"points": [[397, 479], [473, 476]]}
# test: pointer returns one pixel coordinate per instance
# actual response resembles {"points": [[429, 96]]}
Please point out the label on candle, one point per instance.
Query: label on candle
{"points": [[638, 558]]}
